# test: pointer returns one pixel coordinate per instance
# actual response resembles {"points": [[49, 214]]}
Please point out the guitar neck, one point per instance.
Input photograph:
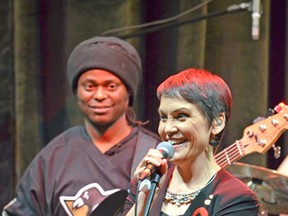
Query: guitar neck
{"points": [[258, 137], [230, 154]]}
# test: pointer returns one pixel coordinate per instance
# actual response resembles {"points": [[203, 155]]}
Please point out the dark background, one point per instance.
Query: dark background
{"points": [[37, 36]]}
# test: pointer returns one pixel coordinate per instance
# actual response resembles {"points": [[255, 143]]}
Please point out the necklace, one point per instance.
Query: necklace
{"points": [[183, 199]]}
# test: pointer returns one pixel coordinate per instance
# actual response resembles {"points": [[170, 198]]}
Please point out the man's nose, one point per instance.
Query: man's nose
{"points": [[100, 94]]}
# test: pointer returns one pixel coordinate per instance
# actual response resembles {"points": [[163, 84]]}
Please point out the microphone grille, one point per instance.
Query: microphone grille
{"points": [[167, 149]]}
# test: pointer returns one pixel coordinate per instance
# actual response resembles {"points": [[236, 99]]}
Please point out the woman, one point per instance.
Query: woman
{"points": [[195, 106]]}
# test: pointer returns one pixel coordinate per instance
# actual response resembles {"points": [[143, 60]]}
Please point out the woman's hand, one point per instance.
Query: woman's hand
{"points": [[153, 157]]}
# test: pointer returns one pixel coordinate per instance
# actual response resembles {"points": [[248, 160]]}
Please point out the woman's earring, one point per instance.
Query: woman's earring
{"points": [[214, 141]]}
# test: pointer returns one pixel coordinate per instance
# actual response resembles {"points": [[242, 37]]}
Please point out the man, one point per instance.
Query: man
{"points": [[85, 164]]}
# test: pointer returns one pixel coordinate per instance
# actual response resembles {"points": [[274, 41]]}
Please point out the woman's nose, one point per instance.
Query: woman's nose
{"points": [[170, 129]]}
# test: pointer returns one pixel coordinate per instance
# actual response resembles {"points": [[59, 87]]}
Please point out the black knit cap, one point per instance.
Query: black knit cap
{"points": [[107, 53]]}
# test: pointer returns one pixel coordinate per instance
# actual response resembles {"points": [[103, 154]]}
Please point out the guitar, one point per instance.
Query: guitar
{"points": [[258, 137]]}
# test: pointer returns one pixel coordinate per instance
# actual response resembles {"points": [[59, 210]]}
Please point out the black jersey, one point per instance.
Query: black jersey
{"points": [[70, 176]]}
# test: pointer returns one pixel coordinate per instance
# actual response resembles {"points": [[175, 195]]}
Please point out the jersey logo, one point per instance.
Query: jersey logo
{"points": [[86, 200]]}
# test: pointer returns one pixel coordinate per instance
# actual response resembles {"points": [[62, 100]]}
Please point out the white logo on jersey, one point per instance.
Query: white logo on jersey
{"points": [[86, 199]]}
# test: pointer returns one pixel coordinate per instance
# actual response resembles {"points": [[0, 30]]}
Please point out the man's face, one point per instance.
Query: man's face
{"points": [[102, 97]]}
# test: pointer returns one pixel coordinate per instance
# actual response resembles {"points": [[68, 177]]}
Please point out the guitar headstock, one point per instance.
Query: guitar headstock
{"points": [[261, 136]]}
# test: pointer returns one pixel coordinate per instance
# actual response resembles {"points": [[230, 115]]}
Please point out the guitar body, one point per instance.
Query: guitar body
{"points": [[112, 205]]}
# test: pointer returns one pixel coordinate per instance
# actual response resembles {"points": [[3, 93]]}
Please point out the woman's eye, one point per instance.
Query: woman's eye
{"points": [[163, 118], [182, 116]]}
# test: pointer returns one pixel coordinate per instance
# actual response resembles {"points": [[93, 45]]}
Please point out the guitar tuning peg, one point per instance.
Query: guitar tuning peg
{"points": [[280, 107], [270, 112], [277, 151], [258, 119]]}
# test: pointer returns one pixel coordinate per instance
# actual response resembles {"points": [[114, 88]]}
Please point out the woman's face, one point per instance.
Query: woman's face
{"points": [[184, 126]]}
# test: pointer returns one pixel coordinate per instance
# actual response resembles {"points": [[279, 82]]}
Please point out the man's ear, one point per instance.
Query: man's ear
{"points": [[218, 124]]}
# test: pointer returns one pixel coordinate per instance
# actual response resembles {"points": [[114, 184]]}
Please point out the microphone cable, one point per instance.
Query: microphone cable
{"points": [[172, 22], [157, 22]]}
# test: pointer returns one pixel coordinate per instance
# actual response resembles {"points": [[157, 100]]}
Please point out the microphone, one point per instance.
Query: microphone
{"points": [[167, 151], [256, 14]]}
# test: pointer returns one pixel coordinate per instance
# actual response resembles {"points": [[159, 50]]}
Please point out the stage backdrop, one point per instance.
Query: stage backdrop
{"points": [[37, 36]]}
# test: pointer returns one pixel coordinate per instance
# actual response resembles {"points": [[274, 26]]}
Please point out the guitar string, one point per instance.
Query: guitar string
{"points": [[235, 153], [228, 151], [221, 158]]}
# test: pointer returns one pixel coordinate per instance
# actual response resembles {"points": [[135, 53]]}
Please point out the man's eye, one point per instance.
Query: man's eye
{"points": [[112, 86], [88, 86]]}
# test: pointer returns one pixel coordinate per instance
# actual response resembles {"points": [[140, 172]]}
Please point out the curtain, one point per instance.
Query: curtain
{"points": [[38, 36]]}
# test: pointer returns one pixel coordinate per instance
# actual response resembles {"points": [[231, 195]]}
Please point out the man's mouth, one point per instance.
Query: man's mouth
{"points": [[100, 109]]}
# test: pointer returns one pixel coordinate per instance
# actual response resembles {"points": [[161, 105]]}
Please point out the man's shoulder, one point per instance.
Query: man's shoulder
{"points": [[148, 134], [72, 132], [64, 139], [146, 140]]}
